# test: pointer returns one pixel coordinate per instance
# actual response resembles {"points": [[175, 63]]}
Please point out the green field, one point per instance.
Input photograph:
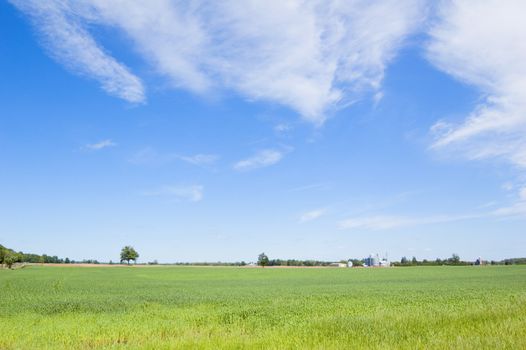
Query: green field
{"points": [[214, 308]]}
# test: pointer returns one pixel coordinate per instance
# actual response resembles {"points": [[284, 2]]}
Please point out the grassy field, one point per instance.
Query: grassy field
{"points": [[216, 308]]}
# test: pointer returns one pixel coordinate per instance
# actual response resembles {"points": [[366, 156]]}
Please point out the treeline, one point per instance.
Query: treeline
{"points": [[513, 261], [271, 262], [9, 257], [218, 263], [455, 260], [294, 262]]}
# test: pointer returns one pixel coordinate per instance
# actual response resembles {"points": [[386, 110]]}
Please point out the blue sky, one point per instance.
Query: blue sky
{"points": [[206, 132]]}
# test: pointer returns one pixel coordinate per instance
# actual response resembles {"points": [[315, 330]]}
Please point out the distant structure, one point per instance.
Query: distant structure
{"points": [[337, 264], [375, 261], [349, 263], [479, 262]]}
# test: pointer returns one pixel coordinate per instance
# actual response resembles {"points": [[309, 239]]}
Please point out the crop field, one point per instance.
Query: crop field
{"points": [[43, 307]]}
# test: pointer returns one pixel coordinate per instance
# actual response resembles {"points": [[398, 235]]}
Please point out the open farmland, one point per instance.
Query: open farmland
{"points": [[212, 308]]}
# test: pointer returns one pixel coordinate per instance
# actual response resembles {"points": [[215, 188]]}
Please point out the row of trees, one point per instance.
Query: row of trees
{"points": [[454, 260], [263, 260], [9, 257]]}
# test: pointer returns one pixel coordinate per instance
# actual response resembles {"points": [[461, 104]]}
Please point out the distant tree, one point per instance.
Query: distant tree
{"points": [[11, 258], [404, 260], [66, 261], [356, 262], [3, 253], [414, 261], [455, 259], [263, 260], [128, 253]]}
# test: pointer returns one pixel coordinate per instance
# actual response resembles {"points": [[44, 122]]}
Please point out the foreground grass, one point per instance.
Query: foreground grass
{"points": [[215, 308]]}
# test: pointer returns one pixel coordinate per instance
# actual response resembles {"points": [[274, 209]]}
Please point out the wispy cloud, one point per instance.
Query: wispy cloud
{"points": [[193, 193], [312, 215], [200, 159], [482, 43], [312, 56], [314, 186], [261, 159], [65, 37], [517, 209], [100, 145], [149, 156], [375, 223], [282, 128]]}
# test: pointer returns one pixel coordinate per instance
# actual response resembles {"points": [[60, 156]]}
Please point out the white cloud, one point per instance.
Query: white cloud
{"points": [[375, 223], [200, 159], [518, 208], [312, 215], [65, 37], [483, 43], [261, 159], [282, 128], [311, 56], [507, 186], [149, 156], [315, 186], [100, 145], [192, 193]]}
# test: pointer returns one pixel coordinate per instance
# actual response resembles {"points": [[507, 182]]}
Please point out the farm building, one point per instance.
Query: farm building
{"points": [[375, 261], [337, 264]]}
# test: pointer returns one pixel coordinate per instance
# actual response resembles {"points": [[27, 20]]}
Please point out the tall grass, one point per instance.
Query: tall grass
{"points": [[234, 308]]}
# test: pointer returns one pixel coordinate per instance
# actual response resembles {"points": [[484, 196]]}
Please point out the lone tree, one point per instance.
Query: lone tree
{"points": [[455, 259], [262, 260], [10, 259], [128, 253]]}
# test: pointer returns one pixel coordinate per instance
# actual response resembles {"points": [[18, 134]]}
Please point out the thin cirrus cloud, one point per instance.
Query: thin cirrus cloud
{"points": [[199, 159], [312, 215], [100, 145], [375, 223], [311, 56], [149, 156], [261, 159], [193, 193], [483, 43], [516, 209], [68, 41]]}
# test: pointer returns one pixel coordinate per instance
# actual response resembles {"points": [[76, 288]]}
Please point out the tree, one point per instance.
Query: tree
{"points": [[3, 253], [455, 259], [414, 261], [263, 260], [10, 259], [128, 253], [403, 261]]}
